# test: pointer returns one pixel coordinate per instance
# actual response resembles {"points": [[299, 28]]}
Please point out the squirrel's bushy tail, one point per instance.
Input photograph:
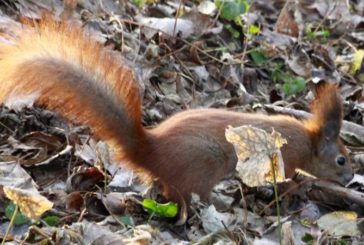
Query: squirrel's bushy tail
{"points": [[75, 75]]}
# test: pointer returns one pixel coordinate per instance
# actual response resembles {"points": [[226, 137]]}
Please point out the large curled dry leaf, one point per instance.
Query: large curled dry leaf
{"points": [[12, 174], [31, 203], [257, 150], [339, 223]]}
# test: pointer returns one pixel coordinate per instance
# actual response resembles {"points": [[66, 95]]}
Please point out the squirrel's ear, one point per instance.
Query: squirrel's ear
{"points": [[327, 110]]}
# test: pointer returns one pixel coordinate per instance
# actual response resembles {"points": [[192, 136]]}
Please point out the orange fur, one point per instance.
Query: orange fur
{"points": [[188, 152], [326, 108], [75, 76]]}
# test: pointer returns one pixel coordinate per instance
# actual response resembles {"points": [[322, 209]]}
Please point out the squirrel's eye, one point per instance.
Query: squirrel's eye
{"points": [[340, 160]]}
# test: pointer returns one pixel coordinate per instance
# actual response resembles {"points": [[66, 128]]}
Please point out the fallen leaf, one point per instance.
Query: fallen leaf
{"points": [[340, 223], [358, 59], [213, 221], [169, 26], [30, 203], [256, 151]]}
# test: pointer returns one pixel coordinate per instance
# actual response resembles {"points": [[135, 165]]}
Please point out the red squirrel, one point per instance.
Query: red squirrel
{"points": [[84, 82]]}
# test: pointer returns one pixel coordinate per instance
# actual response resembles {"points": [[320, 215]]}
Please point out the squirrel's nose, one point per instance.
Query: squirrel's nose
{"points": [[346, 178]]}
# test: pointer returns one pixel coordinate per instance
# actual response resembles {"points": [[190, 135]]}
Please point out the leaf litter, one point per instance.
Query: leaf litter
{"points": [[187, 55]]}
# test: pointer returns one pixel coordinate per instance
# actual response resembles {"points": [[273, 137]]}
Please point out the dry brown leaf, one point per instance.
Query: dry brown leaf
{"points": [[256, 149], [12, 174], [286, 23], [31, 204], [340, 223], [167, 25]]}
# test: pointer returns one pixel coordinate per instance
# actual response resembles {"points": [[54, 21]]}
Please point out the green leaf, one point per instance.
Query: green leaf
{"points": [[361, 77], [294, 86], [325, 33], [277, 70], [19, 218], [253, 30], [341, 242], [358, 59], [258, 56], [305, 222], [291, 84], [308, 239], [139, 3], [312, 34], [126, 220], [230, 9], [233, 31], [168, 210], [51, 220]]}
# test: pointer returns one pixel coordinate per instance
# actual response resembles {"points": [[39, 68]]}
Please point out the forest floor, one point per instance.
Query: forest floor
{"points": [[247, 56]]}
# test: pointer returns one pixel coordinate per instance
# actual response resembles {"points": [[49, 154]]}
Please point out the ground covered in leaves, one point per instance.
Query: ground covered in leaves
{"points": [[248, 56]]}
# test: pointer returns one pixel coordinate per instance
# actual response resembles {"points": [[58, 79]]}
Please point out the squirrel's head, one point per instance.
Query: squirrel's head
{"points": [[330, 158]]}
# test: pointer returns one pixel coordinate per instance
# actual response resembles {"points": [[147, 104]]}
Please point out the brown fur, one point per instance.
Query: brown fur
{"points": [[188, 152]]}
